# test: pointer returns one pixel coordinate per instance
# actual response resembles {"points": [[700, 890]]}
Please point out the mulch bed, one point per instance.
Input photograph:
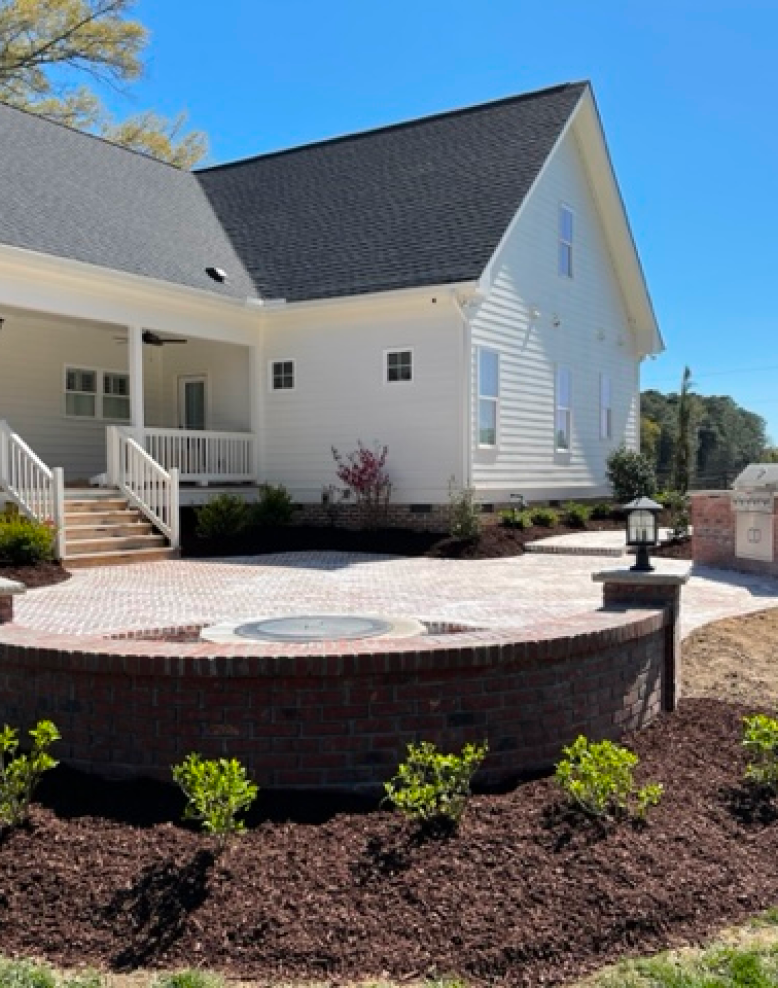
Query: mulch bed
{"points": [[494, 541], [42, 575], [527, 893]]}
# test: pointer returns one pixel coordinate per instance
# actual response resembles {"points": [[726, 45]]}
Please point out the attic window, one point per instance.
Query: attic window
{"points": [[217, 274], [565, 241]]}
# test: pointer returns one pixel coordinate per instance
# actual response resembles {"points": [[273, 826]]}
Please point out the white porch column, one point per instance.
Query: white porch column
{"points": [[255, 398], [135, 366]]}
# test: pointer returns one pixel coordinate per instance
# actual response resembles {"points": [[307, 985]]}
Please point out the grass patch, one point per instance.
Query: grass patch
{"points": [[746, 957]]}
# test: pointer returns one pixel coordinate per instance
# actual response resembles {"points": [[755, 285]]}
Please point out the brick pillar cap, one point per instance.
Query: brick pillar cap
{"points": [[10, 587], [658, 578]]}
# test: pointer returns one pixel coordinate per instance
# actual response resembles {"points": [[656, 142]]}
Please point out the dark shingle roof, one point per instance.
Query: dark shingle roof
{"points": [[424, 202], [419, 203], [73, 195]]}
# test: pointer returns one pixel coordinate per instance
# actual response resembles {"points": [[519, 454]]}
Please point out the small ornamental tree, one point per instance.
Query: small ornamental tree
{"points": [[363, 471]]}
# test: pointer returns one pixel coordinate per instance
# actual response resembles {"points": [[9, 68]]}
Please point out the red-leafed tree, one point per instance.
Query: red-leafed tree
{"points": [[363, 471]]}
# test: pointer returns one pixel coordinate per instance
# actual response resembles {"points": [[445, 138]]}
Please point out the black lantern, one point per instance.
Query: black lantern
{"points": [[642, 529]]}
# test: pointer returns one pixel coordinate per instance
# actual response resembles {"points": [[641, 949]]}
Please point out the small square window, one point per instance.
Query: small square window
{"points": [[399, 366], [283, 375]]}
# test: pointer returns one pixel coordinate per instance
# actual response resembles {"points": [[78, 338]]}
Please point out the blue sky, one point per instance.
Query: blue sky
{"points": [[688, 92]]}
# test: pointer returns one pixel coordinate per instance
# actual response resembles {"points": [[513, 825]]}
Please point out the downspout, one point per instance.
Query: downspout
{"points": [[467, 391]]}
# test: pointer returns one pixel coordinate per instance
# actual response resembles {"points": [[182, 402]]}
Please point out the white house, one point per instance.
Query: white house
{"points": [[463, 288]]}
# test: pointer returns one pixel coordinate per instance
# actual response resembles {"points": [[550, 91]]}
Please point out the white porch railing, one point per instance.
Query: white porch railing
{"points": [[37, 490], [203, 457], [146, 484]]}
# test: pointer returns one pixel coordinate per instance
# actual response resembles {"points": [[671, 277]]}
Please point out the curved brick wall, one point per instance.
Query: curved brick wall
{"points": [[309, 716]]}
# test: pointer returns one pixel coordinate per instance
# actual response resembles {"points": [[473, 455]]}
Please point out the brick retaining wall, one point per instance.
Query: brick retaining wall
{"points": [[338, 716]]}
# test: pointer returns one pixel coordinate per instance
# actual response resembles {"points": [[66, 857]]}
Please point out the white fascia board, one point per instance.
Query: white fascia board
{"points": [[59, 286], [395, 296], [585, 118]]}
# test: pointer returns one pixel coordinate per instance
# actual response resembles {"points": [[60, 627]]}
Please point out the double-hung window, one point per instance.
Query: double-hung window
{"points": [[606, 412], [565, 241], [488, 396], [564, 409], [96, 394], [81, 392], [116, 396]]}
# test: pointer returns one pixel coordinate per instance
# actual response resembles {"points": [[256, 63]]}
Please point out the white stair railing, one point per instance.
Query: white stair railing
{"points": [[146, 485], [36, 489]]}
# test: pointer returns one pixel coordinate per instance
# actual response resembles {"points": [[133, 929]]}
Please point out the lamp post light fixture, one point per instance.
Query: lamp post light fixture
{"points": [[642, 530]]}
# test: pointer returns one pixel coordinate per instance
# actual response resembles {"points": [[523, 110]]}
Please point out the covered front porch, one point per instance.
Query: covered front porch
{"points": [[67, 386]]}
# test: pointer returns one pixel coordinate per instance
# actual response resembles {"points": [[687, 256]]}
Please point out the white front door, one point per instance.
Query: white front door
{"points": [[192, 402]]}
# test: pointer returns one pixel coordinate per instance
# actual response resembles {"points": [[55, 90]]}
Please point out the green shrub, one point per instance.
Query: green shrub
{"points": [[431, 788], [26, 974], [544, 517], [216, 791], [515, 518], [679, 508], [576, 515], [274, 507], [597, 776], [190, 978], [630, 474], [464, 513], [20, 774], [25, 542], [760, 739], [223, 517], [603, 511]]}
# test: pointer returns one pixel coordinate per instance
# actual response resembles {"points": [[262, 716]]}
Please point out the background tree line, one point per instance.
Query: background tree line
{"points": [[700, 441]]}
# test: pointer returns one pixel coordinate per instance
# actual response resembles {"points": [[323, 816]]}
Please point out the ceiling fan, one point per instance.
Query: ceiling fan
{"points": [[151, 339]]}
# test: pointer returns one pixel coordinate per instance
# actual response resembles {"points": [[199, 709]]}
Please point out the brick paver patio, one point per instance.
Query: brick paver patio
{"points": [[517, 592]]}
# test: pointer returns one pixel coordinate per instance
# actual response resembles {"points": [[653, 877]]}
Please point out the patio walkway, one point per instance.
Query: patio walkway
{"points": [[515, 592]]}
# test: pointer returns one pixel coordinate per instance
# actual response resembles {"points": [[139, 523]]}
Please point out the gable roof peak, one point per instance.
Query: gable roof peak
{"points": [[439, 115]]}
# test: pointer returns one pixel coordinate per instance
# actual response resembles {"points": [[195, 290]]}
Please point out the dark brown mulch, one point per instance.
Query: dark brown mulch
{"points": [[494, 541], [42, 575], [525, 894]]}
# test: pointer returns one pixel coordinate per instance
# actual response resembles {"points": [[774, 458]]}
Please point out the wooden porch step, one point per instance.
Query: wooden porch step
{"points": [[75, 519], [119, 558], [80, 547], [83, 505], [108, 530]]}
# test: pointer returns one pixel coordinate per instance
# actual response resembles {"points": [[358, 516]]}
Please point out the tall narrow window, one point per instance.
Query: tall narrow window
{"points": [[566, 241], [563, 424], [282, 375], [606, 414], [488, 396], [399, 365], [80, 392], [116, 396]]}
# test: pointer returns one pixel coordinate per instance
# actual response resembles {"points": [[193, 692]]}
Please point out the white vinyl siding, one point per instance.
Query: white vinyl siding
{"points": [[488, 396], [348, 398], [606, 410], [565, 246], [563, 420], [537, 322]]}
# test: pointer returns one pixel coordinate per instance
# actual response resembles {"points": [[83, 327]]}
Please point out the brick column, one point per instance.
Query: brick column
{"points": [[8, 589], [626, 587]]}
